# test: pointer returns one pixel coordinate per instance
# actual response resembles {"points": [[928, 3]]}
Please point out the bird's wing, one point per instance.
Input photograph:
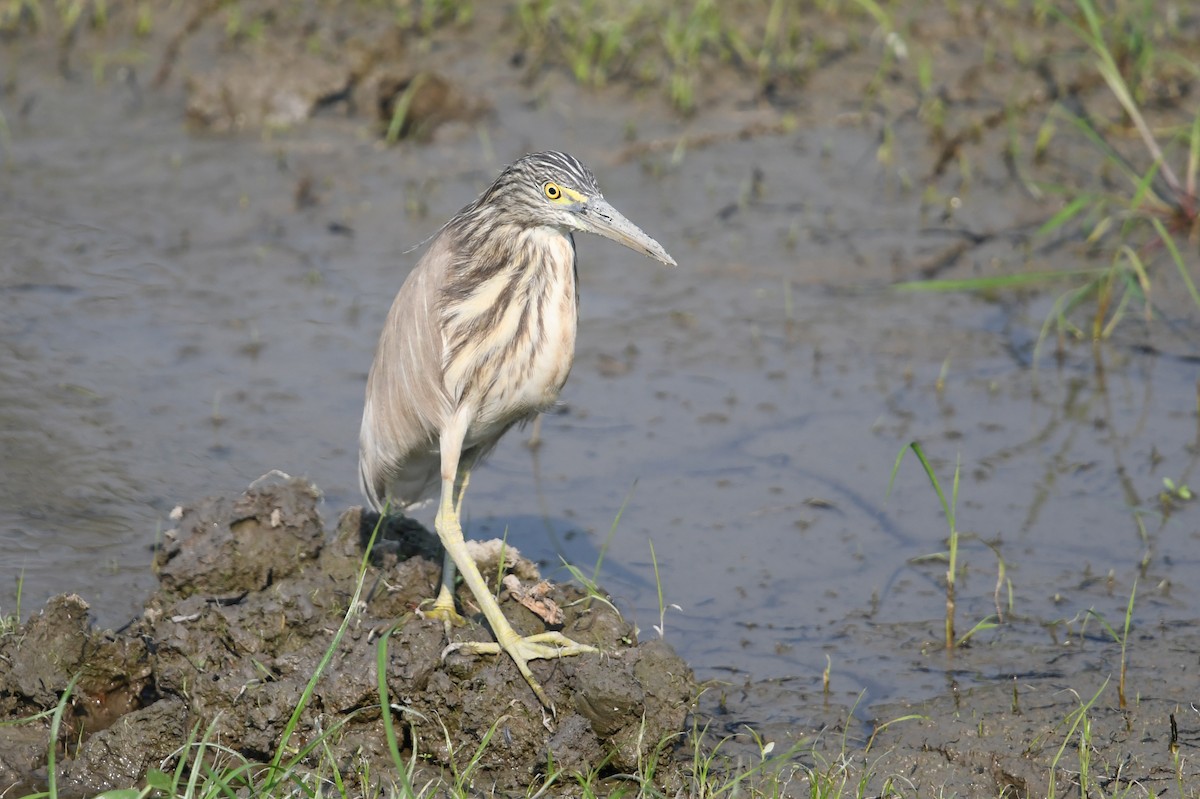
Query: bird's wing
{"points": [[406, 403]]}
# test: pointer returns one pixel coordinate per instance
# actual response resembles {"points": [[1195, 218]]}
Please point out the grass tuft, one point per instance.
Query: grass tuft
{"points": [[949, 509]]}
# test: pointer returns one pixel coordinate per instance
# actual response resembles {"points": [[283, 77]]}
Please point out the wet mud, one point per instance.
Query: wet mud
{"points": [[1025, 738], [252, 590], [1071, 717]]}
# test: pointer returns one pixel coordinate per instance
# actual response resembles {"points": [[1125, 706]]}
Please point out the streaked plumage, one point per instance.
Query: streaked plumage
{"points": [[482, 336]]}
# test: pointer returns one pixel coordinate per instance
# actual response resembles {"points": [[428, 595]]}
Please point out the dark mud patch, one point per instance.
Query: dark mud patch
{"points": [[252, 594]]}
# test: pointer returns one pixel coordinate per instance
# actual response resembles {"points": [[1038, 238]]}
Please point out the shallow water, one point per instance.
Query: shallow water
{"points": [[174, 326]]}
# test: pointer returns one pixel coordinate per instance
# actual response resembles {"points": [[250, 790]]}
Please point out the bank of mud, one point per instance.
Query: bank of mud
{"points": [[1015, 720], [252, 591]]}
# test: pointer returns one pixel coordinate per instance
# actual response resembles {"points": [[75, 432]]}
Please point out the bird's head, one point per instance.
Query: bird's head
{"points": [[553, 188]]}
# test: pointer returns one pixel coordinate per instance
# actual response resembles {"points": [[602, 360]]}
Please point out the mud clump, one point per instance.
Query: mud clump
{"points": [[312, 62], [252, 594], [251, 545]]}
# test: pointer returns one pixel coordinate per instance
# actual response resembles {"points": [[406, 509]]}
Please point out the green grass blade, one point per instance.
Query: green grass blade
{"points": [[385, 709], [1111, 73], [933, 480], [1076, 716], [986, 623], [1129, 613], [306, 696], [1065, 214], [1193, 158], [55, 725], [400, 110], [994, 283], [1092, 613], [1169, 241], [1109, 152], [1142, 190], [198, 759], [662, 608]]}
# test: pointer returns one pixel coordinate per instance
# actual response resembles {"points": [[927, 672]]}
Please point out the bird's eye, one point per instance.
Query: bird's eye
{"points": [[552, 191]]}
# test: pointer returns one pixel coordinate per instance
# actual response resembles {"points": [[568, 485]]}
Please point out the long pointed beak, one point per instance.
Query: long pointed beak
{"points": [[599, 217]]}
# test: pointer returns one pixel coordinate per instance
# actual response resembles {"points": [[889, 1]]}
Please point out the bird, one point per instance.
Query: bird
{"points": [[481, 337]]}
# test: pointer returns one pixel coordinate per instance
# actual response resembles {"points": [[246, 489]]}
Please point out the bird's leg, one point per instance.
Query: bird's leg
{"points": [[443, 607], [464, 478], [535, 435], [544, 645]]}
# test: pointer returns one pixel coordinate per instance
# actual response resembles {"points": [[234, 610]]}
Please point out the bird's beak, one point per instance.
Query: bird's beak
{"points": [[599, 217]]}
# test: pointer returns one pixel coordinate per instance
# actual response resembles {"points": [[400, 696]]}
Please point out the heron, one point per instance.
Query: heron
{"points": [[481, 337]]}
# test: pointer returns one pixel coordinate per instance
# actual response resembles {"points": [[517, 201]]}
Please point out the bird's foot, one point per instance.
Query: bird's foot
{"points": [[443, 613], [542, 646], [442, 608]]}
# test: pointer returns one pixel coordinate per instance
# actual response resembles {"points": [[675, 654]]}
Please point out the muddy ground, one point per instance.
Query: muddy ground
{"points": [[252, 587]]}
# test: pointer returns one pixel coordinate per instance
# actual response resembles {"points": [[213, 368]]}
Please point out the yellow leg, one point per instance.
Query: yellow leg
{"points": [[542, 646], [463, 480], [443, 607]]}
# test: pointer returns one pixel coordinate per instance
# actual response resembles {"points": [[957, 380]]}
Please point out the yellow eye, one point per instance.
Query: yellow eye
{"points": [[552, 191]]}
